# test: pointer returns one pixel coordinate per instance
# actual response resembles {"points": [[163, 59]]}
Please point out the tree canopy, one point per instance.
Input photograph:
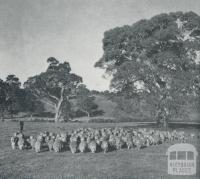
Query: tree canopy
{"points": [[85, 101], [10, 95], [55, 85], [158, 59], [3, 97]]}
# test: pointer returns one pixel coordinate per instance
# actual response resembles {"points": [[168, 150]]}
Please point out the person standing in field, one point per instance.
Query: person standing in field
{"points": [[21, 126]]}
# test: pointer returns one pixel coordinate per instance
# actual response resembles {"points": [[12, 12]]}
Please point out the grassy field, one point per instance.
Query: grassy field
{"points": [[149, 162]]}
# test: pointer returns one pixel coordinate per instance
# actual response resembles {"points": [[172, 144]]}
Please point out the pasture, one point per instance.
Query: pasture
{"points": [[149, 162]]}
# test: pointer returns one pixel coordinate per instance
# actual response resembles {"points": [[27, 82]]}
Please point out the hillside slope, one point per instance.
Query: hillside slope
{"points": [[105, 105]]}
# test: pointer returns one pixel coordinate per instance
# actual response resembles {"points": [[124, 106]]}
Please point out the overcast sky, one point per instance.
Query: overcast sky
{"points": [[70, 30]]}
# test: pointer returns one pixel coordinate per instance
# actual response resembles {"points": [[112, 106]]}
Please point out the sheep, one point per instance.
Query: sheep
{"points": [[119, 143], [92, 146], [137, 142], [129, 143], [63, 137], [21, 143], [104, 139], [38, 146], [112, 142], [50, 142], [14, 141], [73, 146], [104, 146], [83, 146], [38, 143], [192, 135], [32, 142], [57, 145]]}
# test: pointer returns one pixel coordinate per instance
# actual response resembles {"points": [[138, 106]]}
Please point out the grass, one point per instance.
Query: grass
{"points": [[150, 162]]}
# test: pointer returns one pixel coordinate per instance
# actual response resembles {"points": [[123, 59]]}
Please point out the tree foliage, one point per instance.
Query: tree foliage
{"points": [[13, 90], [9, 95], [54, 86], [157, 59], [3, 97], [85, 101]]}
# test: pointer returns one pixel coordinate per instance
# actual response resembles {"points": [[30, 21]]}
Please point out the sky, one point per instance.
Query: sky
{"points": [[69, 30]]}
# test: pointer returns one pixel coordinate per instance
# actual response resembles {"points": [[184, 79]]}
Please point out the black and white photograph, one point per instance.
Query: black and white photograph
{"points": [[99, 89]]}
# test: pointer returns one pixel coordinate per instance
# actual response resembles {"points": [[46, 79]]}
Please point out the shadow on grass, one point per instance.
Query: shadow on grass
{"points": [[173, 125]]}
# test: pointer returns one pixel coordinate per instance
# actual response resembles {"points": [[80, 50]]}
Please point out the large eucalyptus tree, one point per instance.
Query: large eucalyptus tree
{"points": [[55, 85], [158, 59]]}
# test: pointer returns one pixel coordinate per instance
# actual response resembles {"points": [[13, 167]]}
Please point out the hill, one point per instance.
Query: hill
{"points": [[106, 105]]}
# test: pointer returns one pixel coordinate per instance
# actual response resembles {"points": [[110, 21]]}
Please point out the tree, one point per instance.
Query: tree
{"points": [[13, 89], [9, 90], [157, 59], [2, 97], [29, 103], [55, 85], [67, 111], [85, 101]]}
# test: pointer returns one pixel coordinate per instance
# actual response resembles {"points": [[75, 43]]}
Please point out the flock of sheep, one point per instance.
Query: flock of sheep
{"points": [[96, 140]]}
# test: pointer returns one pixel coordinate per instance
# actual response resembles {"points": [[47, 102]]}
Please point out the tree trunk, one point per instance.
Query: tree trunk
{"points": [[162, 113], [58, 106], [165, 124], [162, 118], [88, 114], [11, 110], [165, 118], [158, 116], [2, 112], [58, 110]]}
